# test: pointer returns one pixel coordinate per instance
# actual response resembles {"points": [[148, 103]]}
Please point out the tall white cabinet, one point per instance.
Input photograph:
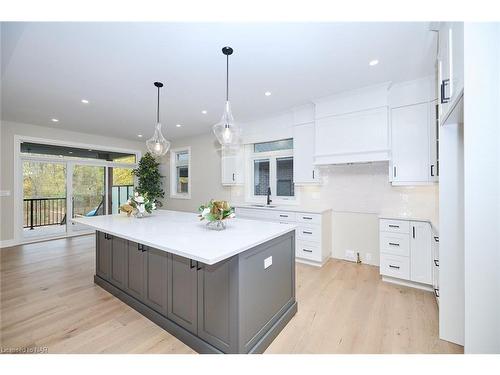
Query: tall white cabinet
{"points": [[233, 167], [304, 170]]}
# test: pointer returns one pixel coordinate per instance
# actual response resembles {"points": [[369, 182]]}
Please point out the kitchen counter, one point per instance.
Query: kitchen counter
{"points": [[286, 208], [183, 234]]}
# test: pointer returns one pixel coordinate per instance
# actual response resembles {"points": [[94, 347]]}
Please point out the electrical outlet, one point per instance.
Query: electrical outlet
{"points": [[268, 262], [350, 255]]}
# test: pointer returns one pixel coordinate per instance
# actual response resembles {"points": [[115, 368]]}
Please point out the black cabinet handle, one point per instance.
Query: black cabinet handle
{"points": [[107, 236], [305, 232], [283, 215], [393, 244], [436, 292], [313, 174], [436, 262], [444, 83], [432, 170], [191, 264], [394, 172], [141, 247], [393, 226], [306, 218], [396, 267], [436, 238], [233, 176], [198, 267], [307, 250], [413, 232]]}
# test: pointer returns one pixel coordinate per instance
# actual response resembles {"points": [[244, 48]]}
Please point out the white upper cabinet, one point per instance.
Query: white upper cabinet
{"points": [[352, 127], [232, 168], [450, 66], [414, 133], [410, 143], [304, 171]]}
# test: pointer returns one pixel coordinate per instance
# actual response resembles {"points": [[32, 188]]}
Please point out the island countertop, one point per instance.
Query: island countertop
{"points": [[183, 234]]}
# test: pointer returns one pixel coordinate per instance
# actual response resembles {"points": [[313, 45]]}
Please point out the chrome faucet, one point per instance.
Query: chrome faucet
{"points": [[269, 196]]}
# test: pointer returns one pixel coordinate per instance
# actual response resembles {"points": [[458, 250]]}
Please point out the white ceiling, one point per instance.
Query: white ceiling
{"points": [[47, 68]]}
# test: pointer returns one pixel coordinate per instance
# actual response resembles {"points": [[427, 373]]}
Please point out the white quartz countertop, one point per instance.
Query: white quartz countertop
{"points": [[183, 234], [256, 206]]}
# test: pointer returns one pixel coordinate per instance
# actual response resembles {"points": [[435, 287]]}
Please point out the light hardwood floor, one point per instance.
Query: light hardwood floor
{"points": [[48, 299]]}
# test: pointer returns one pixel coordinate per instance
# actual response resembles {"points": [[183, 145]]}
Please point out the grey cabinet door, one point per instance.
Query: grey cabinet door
{"points": [[156, 279], [182, 292], [218, 305], [118, 262], [135, 270], [103, 256]]}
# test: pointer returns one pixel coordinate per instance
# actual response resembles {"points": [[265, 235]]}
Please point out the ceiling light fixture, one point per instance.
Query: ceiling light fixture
{"points": [[55, 120], [178, 125], [85, 101], [267, 93], [204, 112], [139, 135], [226, 131], [157, 144], [373, 62]]}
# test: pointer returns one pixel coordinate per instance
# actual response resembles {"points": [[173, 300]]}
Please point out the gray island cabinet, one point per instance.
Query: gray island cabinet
{"points": [[236, 305]]}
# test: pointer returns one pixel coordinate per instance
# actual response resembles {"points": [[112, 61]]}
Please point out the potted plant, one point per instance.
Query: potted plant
{"points": [[150, 183]]}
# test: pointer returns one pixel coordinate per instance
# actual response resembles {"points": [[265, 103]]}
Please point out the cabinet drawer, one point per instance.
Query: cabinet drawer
{"points": [[309, 233], [396, 226], [395, 243], [308, 218], [308, 250], [287, 217], [395, 266]]}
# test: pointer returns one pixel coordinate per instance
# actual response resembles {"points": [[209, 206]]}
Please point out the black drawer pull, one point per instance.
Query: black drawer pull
{"points": [[436, 292], [307, 250], [396, 267], [436, 262], [283, 215], [444, 84], [198, 267], [107, 236], [393, 226], [191, 264], [307, 218], [393, 244], [305, 232], [140, 247], [436, 238]]}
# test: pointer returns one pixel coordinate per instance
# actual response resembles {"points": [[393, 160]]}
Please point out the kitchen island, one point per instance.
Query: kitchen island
{"points": [[228, 291]]}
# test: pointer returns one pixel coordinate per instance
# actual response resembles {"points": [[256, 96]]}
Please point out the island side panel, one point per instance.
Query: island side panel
{"points": [[218, 304], [266, 292]]}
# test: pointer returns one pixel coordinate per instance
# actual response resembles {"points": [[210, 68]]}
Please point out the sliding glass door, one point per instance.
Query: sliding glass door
{"points": [[88, 192]]}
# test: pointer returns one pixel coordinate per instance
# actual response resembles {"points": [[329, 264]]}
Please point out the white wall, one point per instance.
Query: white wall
{"points": [[7, 132], [482, 187], [205, 174]]}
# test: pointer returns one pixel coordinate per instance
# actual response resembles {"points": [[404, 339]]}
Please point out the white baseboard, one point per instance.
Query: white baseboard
{"points": [[411, 284], [25, 241], [310, 262]]}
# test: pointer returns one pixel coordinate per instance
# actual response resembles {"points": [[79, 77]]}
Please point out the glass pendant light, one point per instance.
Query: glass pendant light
{"points": [[158, 145], [226, 131]]}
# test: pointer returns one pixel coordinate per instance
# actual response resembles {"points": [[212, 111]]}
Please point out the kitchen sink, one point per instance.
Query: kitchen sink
{"points": [[262, 205]]}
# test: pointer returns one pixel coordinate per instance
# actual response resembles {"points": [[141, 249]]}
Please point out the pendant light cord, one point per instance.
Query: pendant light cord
{"points": [[227, 78], [158, 108]]}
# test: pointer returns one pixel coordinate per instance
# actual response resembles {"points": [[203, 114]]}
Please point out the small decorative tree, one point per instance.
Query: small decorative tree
{"points": [[149, 178]]}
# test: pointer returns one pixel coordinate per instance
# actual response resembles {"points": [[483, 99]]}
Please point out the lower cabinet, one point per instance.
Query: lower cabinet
{"points": [[182, 292], [103, 255], [156, 279], [118, 275], [135, 270]]}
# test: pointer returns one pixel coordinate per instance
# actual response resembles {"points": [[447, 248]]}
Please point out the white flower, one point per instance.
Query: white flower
{"points": [[153, 206], [205, 212], [231, 215], [139, 199], [136, 194]]}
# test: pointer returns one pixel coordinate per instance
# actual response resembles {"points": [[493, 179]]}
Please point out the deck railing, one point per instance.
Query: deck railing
{"points": [[40, 212]]}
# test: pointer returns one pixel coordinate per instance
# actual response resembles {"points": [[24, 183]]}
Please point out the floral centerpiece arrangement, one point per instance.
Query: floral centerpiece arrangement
{"points": [[215, 212], [138, 205]]}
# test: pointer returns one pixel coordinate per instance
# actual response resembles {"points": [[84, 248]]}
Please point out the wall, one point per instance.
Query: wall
{"points": [[482, 187], [205, 174], [7, 132]]}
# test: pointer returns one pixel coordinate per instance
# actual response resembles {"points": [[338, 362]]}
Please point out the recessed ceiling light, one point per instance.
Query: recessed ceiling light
{"points": [[139, 135], [267, 93], [55, 120], [178, 125], [85, 101], [373, 62], [204, 112]]}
